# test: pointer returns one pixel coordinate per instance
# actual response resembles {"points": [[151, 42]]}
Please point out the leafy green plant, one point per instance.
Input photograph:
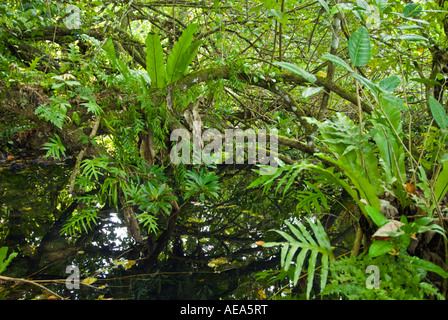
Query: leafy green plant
{"points": [[55, 112], [4, 263], [182, 54], [80, 221], [398, 279], [92, 168], [202, 184], [312, 199], [399, 238], [303, 240], [55, 148], [150, 198]]}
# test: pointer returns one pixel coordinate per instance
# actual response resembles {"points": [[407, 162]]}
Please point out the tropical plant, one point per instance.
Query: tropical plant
{"points": [[202, 184], [4, 262], [303, 242]]}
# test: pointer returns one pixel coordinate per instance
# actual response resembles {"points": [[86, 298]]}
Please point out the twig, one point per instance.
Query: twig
{"points": [[30, 282]]}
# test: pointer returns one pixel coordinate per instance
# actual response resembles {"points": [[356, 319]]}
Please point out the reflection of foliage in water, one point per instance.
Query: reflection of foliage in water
{"points": [[34, 205]]}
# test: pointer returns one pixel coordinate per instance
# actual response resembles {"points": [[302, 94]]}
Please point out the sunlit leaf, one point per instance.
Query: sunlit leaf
{"points": [[297, 70], [89, 280]]}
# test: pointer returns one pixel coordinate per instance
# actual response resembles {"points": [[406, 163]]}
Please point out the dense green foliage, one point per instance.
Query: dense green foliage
{"points": [[355, 90]]}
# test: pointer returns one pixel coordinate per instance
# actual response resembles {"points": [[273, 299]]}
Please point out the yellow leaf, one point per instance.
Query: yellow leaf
{"points": [[125, 263], [261, 294], [217, 262], [128, 264], [259, 243], [322, 74], [88, 280]]}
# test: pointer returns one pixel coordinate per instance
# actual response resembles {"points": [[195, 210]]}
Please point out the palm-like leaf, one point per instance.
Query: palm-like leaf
{"points": [[302, 239]]}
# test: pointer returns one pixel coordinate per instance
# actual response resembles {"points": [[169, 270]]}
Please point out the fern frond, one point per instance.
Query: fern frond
{"points": [[302, 239], [80, 221]]}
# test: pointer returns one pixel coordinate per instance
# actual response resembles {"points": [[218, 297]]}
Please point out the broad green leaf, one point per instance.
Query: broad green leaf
{"points": [[369, 84], [191, 52], [427, 265], [412, 9], [389, 83], [392, 107], [376, 216], [283, 254], [311, 91], [382, 4], [362, 4], [380, 247], [336, 60], [430, 82], [359, 47], [297, 70], [116, 63], [411, 37], [441, 186], [155, 65], [438, 113], [324, 5], [176, 62]]}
